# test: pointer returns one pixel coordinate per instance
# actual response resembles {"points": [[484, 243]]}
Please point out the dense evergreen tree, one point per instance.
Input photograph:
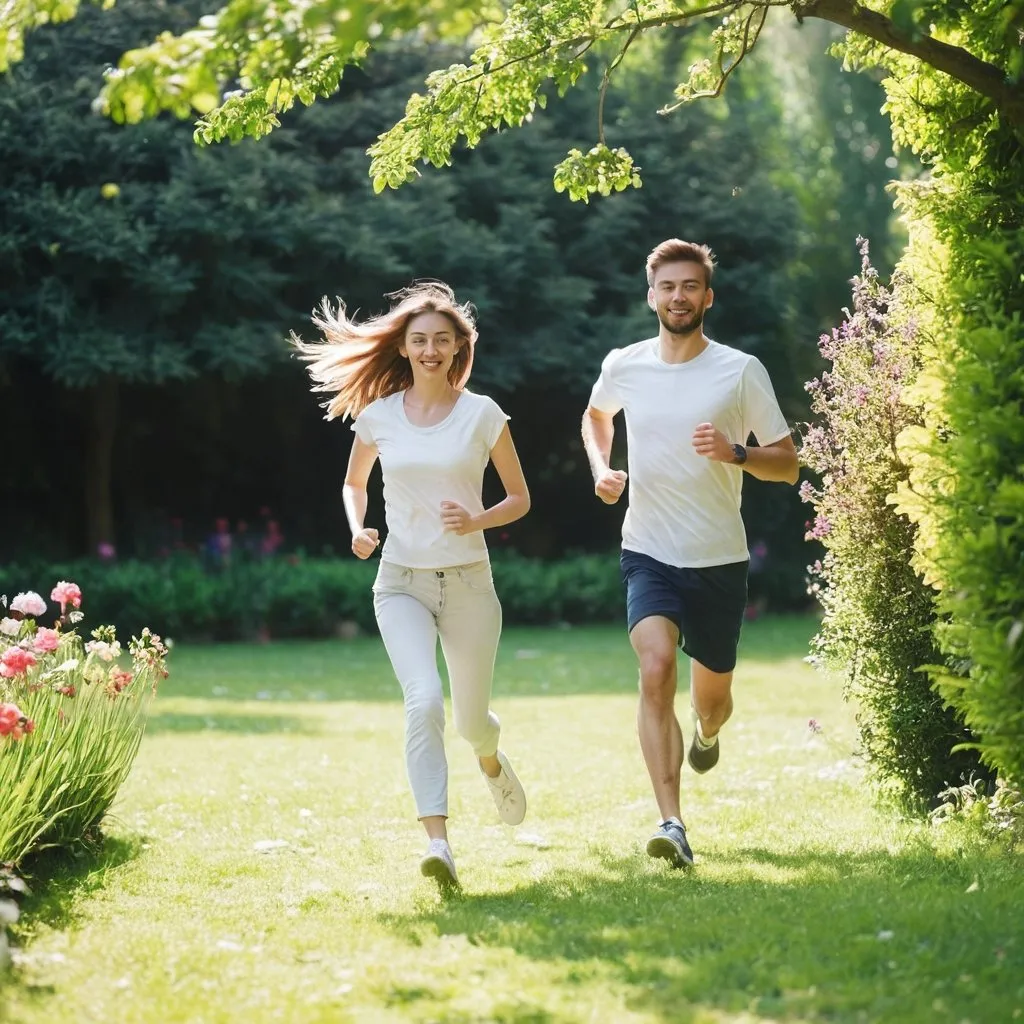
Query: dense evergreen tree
{"points": [[246, 239]]}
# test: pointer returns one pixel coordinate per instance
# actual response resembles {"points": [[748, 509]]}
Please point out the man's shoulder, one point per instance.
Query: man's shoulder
{"points": [[734, 361], [638, 352], [730, 354]]}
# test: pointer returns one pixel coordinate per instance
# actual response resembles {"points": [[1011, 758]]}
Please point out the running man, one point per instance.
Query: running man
{"points": [[690, 405]]}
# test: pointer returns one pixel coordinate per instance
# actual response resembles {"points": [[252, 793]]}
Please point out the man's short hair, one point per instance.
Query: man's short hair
{"points": [[675, 250]]}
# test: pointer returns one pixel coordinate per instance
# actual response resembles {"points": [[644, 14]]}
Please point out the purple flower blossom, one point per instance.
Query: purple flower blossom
{"points": [[821, 528]]}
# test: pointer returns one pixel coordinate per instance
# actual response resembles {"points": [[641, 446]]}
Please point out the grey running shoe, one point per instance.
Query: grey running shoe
{"points": [[439, 864], [507, 792], [702, 759], [669, 843]]}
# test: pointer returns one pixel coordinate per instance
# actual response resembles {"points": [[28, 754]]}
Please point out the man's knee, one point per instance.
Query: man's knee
{"points": [[658, 677], [657, 666]]}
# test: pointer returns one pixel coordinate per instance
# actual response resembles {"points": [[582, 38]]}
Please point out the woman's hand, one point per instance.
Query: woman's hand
{"points": [[365, 542], [456, 519]]}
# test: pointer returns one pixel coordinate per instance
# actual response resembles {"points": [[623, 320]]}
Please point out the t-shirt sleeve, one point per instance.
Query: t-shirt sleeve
{"points": [[492, 422], [363, 426], [762, 416], [605, 397]]}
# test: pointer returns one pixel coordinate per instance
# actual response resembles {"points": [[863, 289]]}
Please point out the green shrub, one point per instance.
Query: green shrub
{"points": [[296, 596], [878, 627], [966, 492]]}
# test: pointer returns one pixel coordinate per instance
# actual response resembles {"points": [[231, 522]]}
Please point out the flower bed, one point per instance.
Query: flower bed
{"points": [[72, 715]]}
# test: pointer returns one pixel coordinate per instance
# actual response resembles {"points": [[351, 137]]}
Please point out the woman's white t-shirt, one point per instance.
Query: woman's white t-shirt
{"points": [[423, 466]]}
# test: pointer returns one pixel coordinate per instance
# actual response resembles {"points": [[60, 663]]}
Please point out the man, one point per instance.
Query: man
{"points": [[690, 406]]}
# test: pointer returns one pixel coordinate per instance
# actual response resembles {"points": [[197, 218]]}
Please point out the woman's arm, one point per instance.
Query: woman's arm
{"points": [[514, 506], [353, 496]]}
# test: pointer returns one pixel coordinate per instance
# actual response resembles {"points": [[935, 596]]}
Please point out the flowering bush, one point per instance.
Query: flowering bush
{"points": [[71, 719], [880, 618]]}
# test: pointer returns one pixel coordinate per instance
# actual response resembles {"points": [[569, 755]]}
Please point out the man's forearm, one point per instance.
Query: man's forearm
{"points": [[597, 442], [774, 465]]}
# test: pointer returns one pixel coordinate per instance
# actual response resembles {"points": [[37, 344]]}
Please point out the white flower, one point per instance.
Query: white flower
{"points": [[29, 603], [12, 627], [108, 652]]}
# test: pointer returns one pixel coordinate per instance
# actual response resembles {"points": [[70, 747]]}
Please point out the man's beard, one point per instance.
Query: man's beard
{"points": [[691, 327]]}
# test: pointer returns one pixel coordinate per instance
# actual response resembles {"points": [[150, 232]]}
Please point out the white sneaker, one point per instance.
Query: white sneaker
{"points": [[507, 791], [439, 864]]}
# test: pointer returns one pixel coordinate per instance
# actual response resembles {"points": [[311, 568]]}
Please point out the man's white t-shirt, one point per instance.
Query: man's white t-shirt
{"points": [[684, 509], [423, 466]]}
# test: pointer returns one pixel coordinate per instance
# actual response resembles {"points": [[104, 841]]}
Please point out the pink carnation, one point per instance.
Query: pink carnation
{"points": [[46, 640], [67, 594], [13, 722], [16, 660], [29, 604]]}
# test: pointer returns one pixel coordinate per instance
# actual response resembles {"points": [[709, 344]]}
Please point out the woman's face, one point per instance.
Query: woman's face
{"points": [[430, 346]]}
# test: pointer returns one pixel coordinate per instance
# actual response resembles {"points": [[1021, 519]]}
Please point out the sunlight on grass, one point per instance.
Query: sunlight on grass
{"points": [[263, 865]]}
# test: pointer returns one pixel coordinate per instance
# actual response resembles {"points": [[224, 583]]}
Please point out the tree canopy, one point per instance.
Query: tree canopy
{"points": [[240, 68]]}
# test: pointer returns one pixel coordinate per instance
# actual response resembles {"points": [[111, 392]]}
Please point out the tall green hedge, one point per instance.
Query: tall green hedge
{"points": [[880, 614], [965, 264]]}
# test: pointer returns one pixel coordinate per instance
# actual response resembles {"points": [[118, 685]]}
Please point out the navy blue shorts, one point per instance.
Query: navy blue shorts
{"points": [[707, 604]]}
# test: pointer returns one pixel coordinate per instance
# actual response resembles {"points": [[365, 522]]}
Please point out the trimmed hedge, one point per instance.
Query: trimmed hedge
{"points": [[295, 596]]}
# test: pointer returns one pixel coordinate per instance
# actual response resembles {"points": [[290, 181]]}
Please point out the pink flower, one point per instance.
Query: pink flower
{"points": [[29, 604], [10, 715], [16, 660], [67, 594], [822, 528], [13, 722], [119, 679], [46, 640], [813, 725], [10, 627]]}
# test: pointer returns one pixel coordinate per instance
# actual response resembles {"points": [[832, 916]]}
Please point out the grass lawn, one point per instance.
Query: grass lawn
{"points": [[263, 862]]}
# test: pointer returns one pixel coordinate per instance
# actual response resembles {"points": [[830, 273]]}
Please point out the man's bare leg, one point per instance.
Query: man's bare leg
{"points": [[655, 640], [711, 698]]}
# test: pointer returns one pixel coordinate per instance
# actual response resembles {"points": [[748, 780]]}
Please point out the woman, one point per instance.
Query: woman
{"points": [[402, 377]]}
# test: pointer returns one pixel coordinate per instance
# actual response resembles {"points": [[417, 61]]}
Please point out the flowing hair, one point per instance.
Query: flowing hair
{"points": [[360, 362]]}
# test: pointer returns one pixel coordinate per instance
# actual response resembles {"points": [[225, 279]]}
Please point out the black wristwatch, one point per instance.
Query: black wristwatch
{"points": [[741, 454]]}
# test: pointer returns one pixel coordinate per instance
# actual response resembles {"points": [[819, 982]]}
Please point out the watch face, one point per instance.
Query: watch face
{"points": [[741, 453]]}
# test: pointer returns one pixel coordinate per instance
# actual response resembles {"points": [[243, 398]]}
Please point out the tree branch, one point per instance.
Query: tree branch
{"points": [[724, 72], [986, 79], [607, 79]]}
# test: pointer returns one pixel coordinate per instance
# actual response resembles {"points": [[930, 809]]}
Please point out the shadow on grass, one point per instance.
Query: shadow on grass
{"points": [[808, 936], [228, 721], [60, 878]]}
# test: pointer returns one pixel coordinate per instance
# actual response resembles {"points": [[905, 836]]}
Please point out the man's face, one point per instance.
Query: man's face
{"points": [[680, 297]]}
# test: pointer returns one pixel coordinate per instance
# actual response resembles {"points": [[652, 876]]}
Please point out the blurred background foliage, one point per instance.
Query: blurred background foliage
{"points": [[147, 285]]}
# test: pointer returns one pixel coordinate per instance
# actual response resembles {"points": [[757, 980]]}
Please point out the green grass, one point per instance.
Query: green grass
{"points": [[807, 904]]}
